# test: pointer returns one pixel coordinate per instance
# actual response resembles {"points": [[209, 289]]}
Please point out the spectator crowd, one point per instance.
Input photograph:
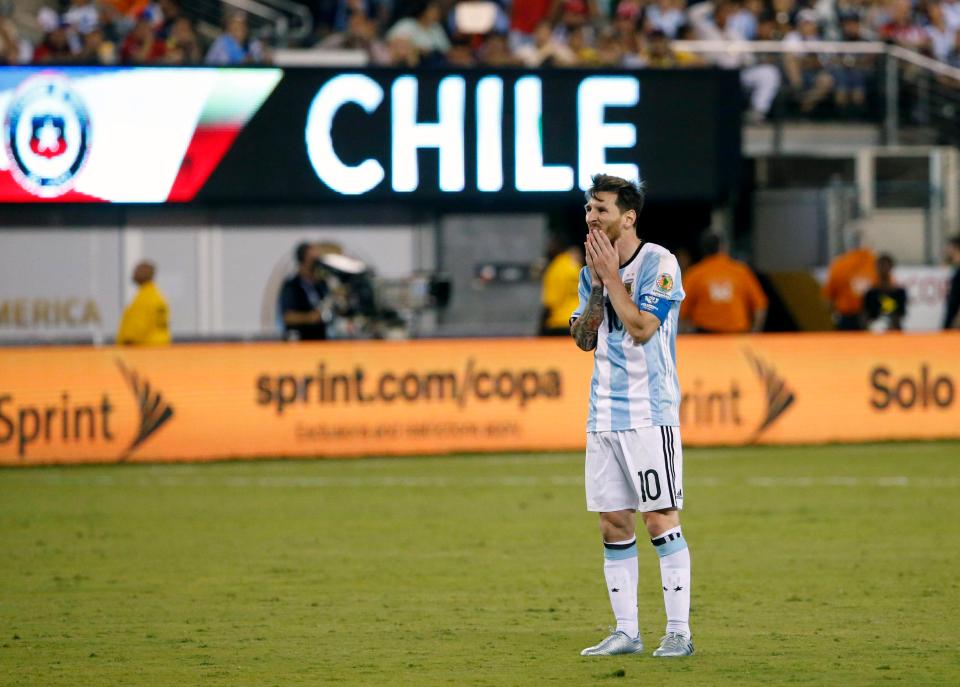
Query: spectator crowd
{"points": [[620, 33], [518, 33], [129, 32], [531, 33]]}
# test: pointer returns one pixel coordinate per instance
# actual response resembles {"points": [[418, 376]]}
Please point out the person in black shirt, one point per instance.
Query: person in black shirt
{"points": [[885, 305], [951, 319], [302, 299]]}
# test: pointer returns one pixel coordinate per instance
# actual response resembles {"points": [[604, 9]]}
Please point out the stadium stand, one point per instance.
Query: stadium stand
{"points": [[884, 62], [610, 34]]}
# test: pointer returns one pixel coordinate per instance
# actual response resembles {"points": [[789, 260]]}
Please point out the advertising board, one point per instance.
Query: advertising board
{"points": [[209, 402]]}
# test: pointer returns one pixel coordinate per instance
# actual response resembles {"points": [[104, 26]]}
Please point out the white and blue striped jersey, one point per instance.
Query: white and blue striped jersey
{"points": [[635, 385]]}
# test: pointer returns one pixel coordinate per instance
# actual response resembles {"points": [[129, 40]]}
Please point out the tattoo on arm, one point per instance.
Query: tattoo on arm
{"points": [[584, 329]]}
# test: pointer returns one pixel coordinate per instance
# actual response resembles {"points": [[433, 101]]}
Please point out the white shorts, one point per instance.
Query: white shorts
{"points": [[636, 469]]}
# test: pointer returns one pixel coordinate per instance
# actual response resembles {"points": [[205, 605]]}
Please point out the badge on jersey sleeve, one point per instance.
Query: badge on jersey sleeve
{"points": [[664, 283]]}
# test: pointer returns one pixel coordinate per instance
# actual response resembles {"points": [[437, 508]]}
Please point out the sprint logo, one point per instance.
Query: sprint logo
{"points": [[63, 424], [721, 404], [778, 396], [154, 410]]}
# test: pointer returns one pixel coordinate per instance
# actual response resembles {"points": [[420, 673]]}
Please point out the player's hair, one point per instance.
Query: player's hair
{"points": [[710, 243], [955, 241], [301, 252], [630, 194]]}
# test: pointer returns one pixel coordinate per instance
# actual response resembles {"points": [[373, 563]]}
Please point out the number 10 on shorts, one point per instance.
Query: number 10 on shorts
{"points": [[649, 483]]}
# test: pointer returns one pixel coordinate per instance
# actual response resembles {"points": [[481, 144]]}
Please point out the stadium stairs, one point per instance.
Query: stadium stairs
{"points": [[798, 297]]}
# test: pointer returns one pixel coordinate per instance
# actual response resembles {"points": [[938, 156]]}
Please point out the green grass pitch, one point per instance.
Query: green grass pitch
{"points": [[817, 566]]}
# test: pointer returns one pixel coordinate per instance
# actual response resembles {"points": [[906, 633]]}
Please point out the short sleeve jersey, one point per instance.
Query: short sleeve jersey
{"points": [[850, 276], [636, 385], [722, 295], [561, 280], [299, 296], [146, 321]]}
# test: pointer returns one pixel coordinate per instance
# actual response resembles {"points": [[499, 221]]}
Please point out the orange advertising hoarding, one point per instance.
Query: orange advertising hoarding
{"points": [[206, 402]]}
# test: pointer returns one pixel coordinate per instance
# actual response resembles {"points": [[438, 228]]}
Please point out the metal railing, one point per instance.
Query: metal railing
{"points": [[279, 22], [912, 89], [933, 89], [907, 195]]}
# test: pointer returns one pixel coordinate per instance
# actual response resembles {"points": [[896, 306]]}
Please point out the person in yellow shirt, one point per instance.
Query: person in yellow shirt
{"points": [[559, 295], [146, 321], [723, 296]]}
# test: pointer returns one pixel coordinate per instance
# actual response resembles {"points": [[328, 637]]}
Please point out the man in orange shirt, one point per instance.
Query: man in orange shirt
{"points": [[723, 295], [851, 275]]}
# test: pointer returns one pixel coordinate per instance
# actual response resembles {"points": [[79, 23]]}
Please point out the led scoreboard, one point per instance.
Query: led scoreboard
{"points": [[266, 135]]}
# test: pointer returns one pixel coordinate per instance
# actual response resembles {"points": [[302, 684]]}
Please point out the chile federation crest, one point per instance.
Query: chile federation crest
{"points": [[47, 136]]}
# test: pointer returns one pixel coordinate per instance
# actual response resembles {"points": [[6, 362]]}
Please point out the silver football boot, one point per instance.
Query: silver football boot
{"points": [[614, 645], [674, 644]]}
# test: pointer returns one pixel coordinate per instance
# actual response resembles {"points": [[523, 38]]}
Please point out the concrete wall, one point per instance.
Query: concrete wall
{"points": [[218, 280]]}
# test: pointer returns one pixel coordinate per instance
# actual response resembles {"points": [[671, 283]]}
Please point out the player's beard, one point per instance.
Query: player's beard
{"points": [[613, 230]]}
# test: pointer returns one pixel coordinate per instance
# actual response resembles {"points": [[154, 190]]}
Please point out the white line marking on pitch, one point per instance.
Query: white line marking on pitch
{"points": [[893, 481], [528, 481]]}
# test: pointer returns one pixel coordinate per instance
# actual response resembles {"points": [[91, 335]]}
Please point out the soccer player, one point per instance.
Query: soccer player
{"points": [[630, 294]]}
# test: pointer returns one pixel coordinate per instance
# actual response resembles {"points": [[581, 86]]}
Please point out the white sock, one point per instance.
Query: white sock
{"points": [[620, 571], [675, 575]]}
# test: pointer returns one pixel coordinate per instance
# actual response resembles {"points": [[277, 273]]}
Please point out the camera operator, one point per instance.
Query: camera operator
{"points": [[302, 299]]}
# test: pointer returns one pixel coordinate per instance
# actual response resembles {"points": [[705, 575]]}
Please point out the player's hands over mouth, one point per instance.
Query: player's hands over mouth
{"points": [[602, 257], [591, 268]]}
